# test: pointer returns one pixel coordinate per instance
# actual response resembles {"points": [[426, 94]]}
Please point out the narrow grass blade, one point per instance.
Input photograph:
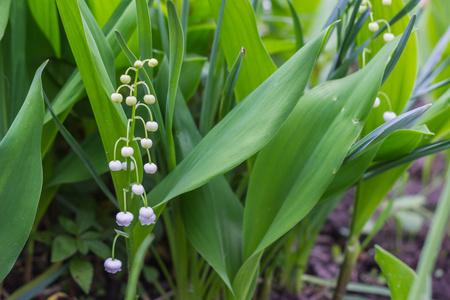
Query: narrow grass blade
{"points": [[337, 12], [138, 263], [81, 154], [383, 131], [209, 104], [227, 96], [297, 26], [176, 43], [401, 46], [418, 153], [21, 177], [435, 56], [431, 88]]}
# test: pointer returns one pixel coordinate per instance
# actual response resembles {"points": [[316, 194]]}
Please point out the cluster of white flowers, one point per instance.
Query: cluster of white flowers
{"points": [[146, 214], [373, 25]]}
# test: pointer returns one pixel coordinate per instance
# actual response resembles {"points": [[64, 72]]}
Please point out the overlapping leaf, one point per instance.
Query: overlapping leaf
{"points": [[21, 176]]}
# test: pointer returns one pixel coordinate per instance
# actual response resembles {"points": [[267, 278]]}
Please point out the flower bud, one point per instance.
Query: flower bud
{"points": [[146, 212], [127, 151], [362, 8], [125, 79], [113, 265], [138, 189], [152, 63], [131, 100], [149, 99], [124, 166], [386, 2], [138, 64], [116, 97], [373, 26], [150, 168], [146, 143], [387, 37], [124, 218], [377, 102], [115, 165], [389, 115], [151, 126]]}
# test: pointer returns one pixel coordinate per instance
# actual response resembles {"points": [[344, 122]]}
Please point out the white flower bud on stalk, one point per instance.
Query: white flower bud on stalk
{"points": [[124, 218], [115, 165], [113, 265], [138, 189], [150, 168], [131, 100], [151, 126], [373, 26], [146, 143], [125, 79], [116, 97], [149, 99], [127, 151], [124, 166], [389, 115]]}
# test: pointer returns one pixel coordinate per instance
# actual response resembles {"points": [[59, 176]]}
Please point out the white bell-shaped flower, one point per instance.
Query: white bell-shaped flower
{"points": [[387, 37], [377, 102], [151, 126], [131, 100], [386, 2], [389, 115], [127, 151], [124, 218], [115, 165], [146, 143], [138, 189], [125, 79], [150, 168], [116, 97], [152, 63], [362, 8], [149, 99], [123, 166], [146, 212], [138, 64], [113, 265], [373, 26]]}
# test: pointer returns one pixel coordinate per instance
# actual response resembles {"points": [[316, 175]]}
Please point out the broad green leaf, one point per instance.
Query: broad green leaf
{"points": [[401, 143], [103, 9], [293, 171], [111, 123], [21, 176], [398, 275], [71, 168], [46, 17], [213, 218], [82, 246], [82, 272], [245, 130], [4, 16], [258, 66], [99, 248], [68, 225], [63, 246], [191, 73], [144, 29], [400, 83]]}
